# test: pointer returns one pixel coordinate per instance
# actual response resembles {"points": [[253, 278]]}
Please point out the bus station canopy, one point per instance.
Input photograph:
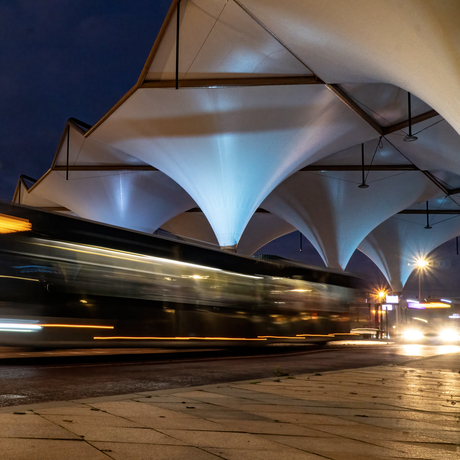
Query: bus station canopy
{"points": [[338, 118]]}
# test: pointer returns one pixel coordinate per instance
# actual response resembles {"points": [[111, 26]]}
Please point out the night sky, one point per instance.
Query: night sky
{"points": [[62, 59], [77, 58]]}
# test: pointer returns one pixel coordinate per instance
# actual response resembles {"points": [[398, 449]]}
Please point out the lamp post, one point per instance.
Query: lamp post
{"points": [[421, 264], [381, 296]]}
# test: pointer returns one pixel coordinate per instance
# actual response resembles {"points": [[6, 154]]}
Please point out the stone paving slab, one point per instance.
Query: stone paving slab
{"points": [[385, 412], [130, 451], [46, 449]]}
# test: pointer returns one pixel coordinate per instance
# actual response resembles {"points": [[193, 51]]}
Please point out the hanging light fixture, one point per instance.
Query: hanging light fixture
{"points": [[409, 137], [363, 184]]}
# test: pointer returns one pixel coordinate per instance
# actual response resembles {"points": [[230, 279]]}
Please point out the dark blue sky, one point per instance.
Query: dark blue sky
{"points": [[62, 59]]}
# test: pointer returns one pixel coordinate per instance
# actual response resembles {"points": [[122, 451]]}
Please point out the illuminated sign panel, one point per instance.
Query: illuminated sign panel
{"points": [[392, 299]]}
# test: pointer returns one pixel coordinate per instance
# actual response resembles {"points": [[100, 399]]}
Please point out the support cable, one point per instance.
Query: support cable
{"points": [[432, 124], [418, 169], [379, 145]]}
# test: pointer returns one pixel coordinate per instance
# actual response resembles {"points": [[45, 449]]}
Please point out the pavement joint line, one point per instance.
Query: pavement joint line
{"points": [[125, 418], [45, 439], [344, 437]]}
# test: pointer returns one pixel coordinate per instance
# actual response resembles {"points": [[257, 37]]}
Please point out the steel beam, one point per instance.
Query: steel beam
{"points": [[436, 181], [405, 124], [405, 211], [104, 168], [127, 167], [352, 104], [54, 208], [359, 168], [233, 82], [431, 211]]}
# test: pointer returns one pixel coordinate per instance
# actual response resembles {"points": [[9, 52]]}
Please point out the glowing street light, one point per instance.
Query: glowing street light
{"points": [[422, 263], [379, 293]]}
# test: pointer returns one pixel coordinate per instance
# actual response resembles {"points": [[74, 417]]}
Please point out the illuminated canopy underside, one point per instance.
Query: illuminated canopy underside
{"points": [[274, 100]]}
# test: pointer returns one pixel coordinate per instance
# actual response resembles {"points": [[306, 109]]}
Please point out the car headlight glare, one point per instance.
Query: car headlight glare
{"points": [[412, 334], [449, 335]]}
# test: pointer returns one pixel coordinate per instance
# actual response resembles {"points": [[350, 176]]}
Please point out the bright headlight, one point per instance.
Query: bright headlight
{"points": [[412, 334], [449, 335]]}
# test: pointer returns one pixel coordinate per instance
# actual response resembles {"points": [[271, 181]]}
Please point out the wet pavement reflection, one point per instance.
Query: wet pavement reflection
{"points": [[427, 350], [29, 377], [407, 407]]}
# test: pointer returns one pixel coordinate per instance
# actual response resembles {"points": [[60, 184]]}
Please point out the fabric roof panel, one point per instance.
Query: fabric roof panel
{"points": [[229, 147], [261, 229], [376, 152], [195, 25], [386, 103], [193, 225], [75, 139], [219, 39], [31, 199], [329, 211], [437, 146], [140, 201], [412, 44], [86, 151], [396, 244]]}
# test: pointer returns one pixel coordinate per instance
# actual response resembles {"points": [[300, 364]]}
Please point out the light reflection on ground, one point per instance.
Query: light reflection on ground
{"points": [[361, 342], [443, 349], [412, 350], [426, 350], [405, 349]]}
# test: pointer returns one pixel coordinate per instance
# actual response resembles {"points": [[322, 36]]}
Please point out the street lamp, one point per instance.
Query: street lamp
{"points": [[421, 264], [381, 295]]}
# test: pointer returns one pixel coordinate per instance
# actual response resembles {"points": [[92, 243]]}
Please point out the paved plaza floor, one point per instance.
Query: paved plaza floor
{"points": [[380, 412]]}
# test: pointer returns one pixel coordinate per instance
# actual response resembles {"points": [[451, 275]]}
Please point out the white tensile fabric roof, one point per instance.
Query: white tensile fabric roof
{"points": [[248, 104]]}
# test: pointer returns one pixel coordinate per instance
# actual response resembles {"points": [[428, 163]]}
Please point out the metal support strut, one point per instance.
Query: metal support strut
{"points": [[427, 217], [177, 44], [363, 184], [409, 137]]}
